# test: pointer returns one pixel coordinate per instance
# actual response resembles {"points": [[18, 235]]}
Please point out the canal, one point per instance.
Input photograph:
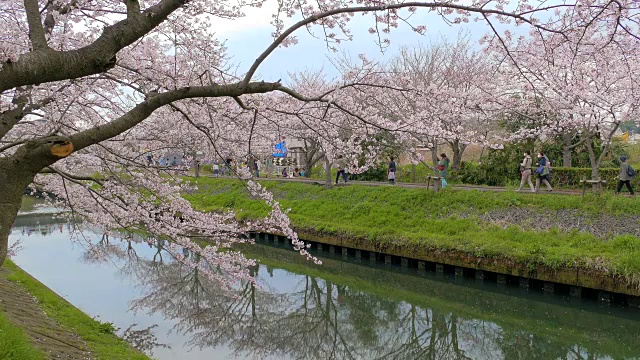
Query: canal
{"points": [[339, 310]]}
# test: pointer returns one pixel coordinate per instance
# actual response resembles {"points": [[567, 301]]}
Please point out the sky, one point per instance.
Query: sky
{"points": [[247, 37]]}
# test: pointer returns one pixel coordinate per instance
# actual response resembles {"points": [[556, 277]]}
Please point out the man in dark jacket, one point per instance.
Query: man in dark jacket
{"points": [[625, 176]]}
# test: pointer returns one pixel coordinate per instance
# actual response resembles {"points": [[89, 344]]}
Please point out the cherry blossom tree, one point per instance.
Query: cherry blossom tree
{"points": [[452, 96], [88, 87], [583, 83]]}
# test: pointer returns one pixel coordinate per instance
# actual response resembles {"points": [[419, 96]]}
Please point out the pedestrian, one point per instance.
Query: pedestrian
{"points": [[229, 167], [626, 174], [525, 171], [216, 170], [443, 168], [284, 173], [342, 170], [258, 167], [303, 173], [197, 167], [391, 172], [543, 172]]}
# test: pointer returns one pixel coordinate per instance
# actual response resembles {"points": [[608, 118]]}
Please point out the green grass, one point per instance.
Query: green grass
{"points": [[100, 337], [431, 220], [14, 344]]}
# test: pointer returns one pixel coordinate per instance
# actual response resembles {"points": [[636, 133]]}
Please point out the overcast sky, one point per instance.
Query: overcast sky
{"points": [[246, 38]]}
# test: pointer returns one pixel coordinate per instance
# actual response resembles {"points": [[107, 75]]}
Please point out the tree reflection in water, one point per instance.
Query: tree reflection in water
{"points": [[315, 318]]}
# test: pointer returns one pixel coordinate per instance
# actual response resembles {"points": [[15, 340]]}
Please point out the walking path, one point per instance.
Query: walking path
{"points": [[22, 310], [414, 185]]}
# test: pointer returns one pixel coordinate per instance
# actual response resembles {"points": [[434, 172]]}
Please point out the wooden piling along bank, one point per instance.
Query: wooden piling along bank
{"points": [[573, 278]]}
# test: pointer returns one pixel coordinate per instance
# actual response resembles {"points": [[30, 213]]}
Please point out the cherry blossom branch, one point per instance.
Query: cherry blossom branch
{"points": [[433, 5], [51, 170]]}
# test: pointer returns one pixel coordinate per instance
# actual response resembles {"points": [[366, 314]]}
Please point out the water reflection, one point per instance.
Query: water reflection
{"points": [[346, 311]]}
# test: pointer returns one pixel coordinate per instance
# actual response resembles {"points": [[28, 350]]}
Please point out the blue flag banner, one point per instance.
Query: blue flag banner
{"points": [[281, 150]]}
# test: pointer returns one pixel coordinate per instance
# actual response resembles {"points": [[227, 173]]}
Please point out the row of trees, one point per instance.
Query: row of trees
{"points": [[88, 87], [451, 93]]}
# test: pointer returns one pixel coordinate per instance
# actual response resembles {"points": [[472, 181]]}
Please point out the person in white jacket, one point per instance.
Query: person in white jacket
{"points": [[525, 171]]}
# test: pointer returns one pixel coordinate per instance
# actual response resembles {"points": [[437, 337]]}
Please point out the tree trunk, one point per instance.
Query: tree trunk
{"points": [[434, 156], [567, 150], [13, 182], [595, 166], [327, 166], [458, 150]]}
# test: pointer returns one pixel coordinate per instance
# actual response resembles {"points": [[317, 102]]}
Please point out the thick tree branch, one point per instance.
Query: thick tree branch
{"points": [[9, 118], [50, 65], [38, 154], [133, 7], [144, 109], [36, 30]]}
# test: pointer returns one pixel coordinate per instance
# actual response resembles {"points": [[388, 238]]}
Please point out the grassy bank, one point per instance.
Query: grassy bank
{"points": [[448, 220], [14, 344], [99, 337]]}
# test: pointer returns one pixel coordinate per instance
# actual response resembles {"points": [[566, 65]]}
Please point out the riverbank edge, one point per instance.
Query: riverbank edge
{"points": [[102, 342], [415, 291], [585, 269], [572, 276]]}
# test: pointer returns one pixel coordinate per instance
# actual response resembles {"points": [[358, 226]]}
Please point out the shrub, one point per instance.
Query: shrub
{"points": [[570, 177]]}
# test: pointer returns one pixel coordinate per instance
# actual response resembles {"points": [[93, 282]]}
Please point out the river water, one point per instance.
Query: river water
{"points": [[339, 310]]}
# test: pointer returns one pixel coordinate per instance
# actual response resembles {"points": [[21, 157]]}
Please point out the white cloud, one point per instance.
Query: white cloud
{"points": [[255, 18]]}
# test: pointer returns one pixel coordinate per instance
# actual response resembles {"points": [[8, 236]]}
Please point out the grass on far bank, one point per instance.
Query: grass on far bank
{"points": [[14, 344], [431, 220], [99, 337]]}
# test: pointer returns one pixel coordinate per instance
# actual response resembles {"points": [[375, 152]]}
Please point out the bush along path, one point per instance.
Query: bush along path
{"points": [[36, 323], [565, 234]]}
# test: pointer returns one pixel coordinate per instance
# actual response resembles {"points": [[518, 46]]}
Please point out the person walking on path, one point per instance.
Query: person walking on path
{"points": [[391, 172], [626, 174], [342, 169], [258, 167], [525, 169], [443, 168], [543, 172]]}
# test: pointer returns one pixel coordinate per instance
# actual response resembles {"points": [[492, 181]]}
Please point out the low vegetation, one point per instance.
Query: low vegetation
{"points": [[14, 344], [450, 220], [100, 338]]}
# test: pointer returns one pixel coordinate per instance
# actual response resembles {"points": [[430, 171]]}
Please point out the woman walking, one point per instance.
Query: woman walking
{"points": [[543, 172], [443, 168], [626, 174], [391, 172], [525, 170], [342, 169]]}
